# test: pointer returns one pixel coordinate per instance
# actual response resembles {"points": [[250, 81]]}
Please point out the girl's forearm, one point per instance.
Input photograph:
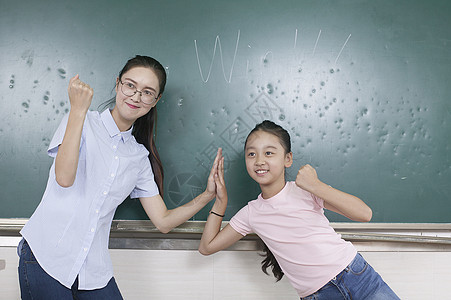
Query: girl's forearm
{"points": [[346, 204], [335, 200], [66, 161], [219, 207], [212, 227]]}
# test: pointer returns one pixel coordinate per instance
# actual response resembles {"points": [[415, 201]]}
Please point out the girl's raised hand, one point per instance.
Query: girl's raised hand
{"points": [[307, 178], [211, 183], [80, 94], [221, 191]]}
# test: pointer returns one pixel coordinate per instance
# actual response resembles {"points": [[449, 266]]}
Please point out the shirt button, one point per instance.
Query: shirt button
{"points": [[105, 192], [92, 229], [85, 249], [97, 211], [112, 174], [116, 157], [114, 147]]}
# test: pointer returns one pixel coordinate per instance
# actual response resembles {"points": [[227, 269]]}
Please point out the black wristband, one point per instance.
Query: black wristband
{"points": [[212, 212]]}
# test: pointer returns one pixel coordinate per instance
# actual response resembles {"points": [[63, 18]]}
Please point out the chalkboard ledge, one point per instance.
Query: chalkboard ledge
{"points": [[136, 230]]}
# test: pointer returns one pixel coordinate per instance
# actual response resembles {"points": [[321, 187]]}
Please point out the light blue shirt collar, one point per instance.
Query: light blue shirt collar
{"points": [[112, 128]]}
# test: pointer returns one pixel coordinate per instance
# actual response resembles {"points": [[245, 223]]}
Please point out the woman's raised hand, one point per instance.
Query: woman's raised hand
{"points": [[80, 94]]}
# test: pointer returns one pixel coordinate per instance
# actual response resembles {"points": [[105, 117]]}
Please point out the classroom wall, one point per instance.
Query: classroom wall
{"points": [[417, 272]]}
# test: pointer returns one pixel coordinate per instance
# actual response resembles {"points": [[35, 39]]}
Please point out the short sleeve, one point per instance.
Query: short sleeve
{"points": [[318, 201], [240, 221], [145, 185], [58, 137]]}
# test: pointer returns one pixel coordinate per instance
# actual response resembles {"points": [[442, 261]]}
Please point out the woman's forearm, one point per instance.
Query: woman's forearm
{"points": [[166, 219], [181, 214], [66, 161]]}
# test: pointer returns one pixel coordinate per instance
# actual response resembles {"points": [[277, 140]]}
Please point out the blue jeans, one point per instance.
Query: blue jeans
{"points": [[36, 284], [357, 281]]}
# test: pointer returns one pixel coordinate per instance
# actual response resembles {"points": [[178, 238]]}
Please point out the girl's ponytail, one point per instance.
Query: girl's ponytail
{"points": [[270, 261]]}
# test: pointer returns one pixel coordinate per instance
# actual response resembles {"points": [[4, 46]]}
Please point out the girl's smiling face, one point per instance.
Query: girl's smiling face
{"points": [[266, 160], [129, 108]]}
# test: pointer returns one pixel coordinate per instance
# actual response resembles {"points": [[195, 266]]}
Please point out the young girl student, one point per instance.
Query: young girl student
{"points": [[100, 159], [289, 218]]}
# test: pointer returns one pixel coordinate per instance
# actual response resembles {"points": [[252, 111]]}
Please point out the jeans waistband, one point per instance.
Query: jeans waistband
{"points": [[339, 275]]}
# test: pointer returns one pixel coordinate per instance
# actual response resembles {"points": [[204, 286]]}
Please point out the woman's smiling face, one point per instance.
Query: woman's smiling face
{"points": [[129, 108]]}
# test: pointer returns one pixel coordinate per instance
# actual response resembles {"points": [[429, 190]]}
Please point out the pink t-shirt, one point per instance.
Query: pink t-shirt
{"points": [[293, 226]]}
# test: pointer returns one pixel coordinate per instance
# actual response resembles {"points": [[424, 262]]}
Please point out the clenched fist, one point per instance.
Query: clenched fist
{"points": [[80, 94], [307, 178]]}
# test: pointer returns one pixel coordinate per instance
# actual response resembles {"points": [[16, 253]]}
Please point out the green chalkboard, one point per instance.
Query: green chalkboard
{"points": [[363, 87]]}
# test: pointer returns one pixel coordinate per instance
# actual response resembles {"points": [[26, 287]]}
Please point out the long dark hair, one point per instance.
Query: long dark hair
{"points": [[284, 138], [270, 261], [143, 128]]}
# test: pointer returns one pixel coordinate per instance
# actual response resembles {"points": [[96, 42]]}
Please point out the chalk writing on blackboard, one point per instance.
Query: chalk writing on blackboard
{"points": [[218, 43], [338, 56], [316, 43], [228, 79]]}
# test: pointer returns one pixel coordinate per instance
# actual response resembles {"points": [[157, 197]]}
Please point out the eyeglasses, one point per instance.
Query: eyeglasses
{"points": [[129, 89]]}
